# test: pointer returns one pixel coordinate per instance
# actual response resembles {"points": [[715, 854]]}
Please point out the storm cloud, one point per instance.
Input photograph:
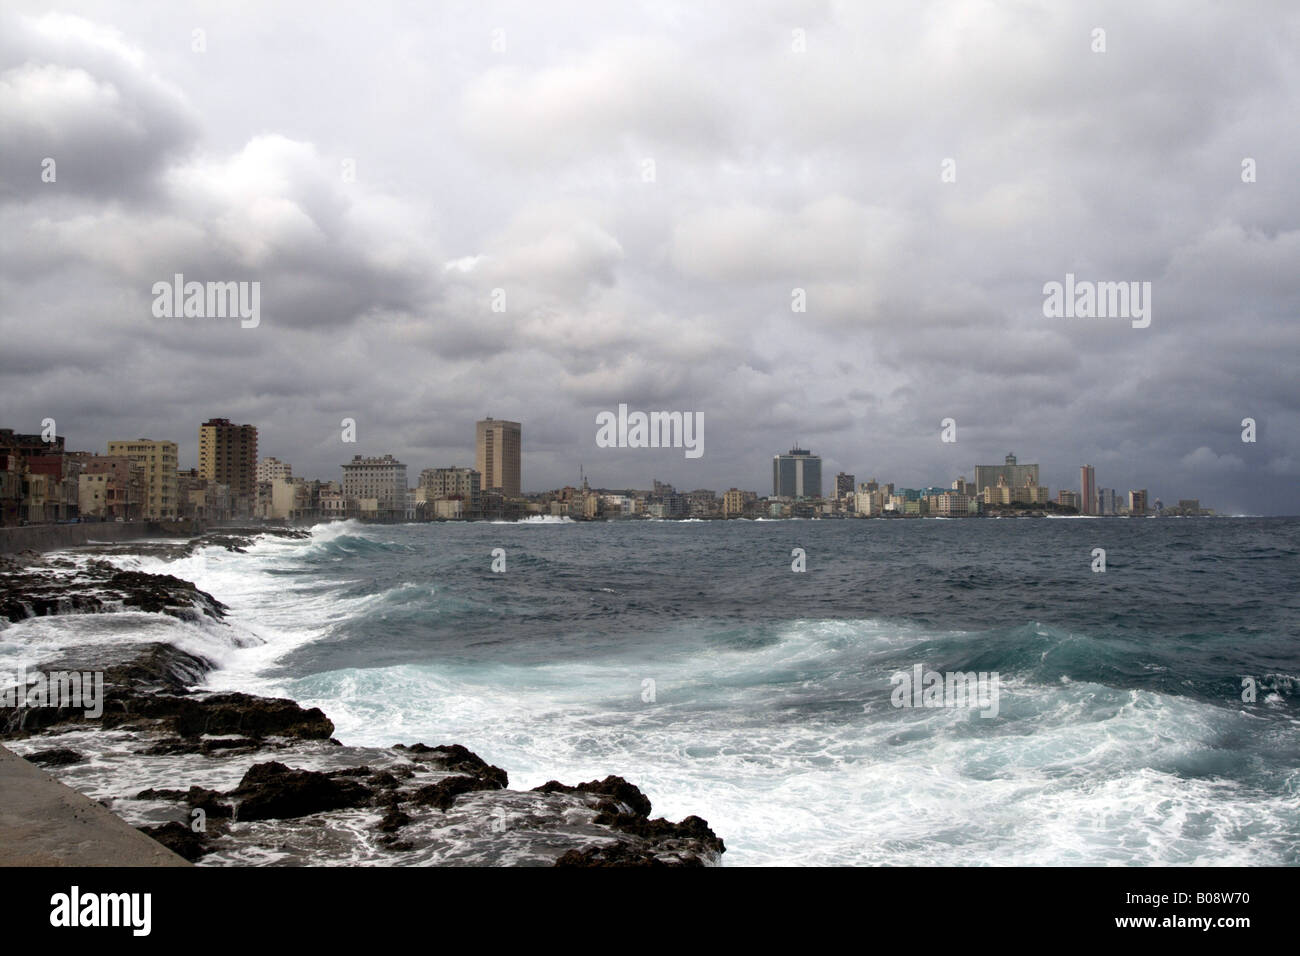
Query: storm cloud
{"points": [[642, 189]]}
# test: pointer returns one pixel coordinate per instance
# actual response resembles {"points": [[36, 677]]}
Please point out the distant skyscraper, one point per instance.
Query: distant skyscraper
{"points": [[228, 456], [1017, 476], [1137, 502], [797, 475], [844, 484], [1087, 490], [499, 452], [1106, 501]]}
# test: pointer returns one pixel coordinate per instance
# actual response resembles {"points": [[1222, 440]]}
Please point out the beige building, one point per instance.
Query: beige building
{"points": [[447, 508], [334, 506], [228, 455], [499, 447], [870, 503], [950, 504], [157, 461], [1030, 493], [269, 469], [110, 487], [449, 483], [733, 502], [378, 485]]}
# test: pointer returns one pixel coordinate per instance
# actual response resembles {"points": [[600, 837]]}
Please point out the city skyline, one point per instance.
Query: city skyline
{"points": [[791, 471], [839, 244]]}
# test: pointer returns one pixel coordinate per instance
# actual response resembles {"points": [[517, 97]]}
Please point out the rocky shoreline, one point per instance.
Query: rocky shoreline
{"points": [[228, 778]]}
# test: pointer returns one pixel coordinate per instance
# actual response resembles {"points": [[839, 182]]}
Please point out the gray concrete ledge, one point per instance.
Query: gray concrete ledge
{"points": [[56, 537], [44, 823]]}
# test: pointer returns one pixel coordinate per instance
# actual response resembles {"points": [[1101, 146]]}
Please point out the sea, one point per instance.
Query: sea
{"points": [[752, 672]]}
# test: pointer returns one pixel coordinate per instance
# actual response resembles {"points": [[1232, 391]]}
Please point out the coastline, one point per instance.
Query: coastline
{"points": [[227, 778], [43, 538]]}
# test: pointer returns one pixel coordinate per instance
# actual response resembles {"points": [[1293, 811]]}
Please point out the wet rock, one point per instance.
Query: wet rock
{"points": [[57, 757], [457, 759], [36, 589], [236, 713], [274, 791], [614, 787], [394, 818], [223, 746], [178, 838], [622, 807], [444, 793], [660, 831], [618, 854]]}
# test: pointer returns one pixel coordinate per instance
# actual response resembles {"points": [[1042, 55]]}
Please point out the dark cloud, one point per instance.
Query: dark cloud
{"points": [[385, 177]]}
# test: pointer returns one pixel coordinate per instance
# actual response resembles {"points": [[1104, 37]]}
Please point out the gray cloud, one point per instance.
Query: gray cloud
{"points": [[524, 170]]}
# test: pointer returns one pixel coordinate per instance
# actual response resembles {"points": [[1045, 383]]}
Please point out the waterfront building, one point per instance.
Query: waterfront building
{"points": [[797, 475], [499, 450]]}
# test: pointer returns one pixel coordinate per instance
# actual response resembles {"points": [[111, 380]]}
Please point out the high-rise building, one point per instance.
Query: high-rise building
{"points": [[157, 461], [797, 475], [1137, 503], [1068, 499], [1017, 476], [499, 452], [1106, 501], [844, 484], [228, 456], [381, 481], [1087, 490]]}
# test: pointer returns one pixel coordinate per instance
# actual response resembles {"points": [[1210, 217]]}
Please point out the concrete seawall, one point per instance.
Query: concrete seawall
{"points": [[44, 823], [54, 537]]}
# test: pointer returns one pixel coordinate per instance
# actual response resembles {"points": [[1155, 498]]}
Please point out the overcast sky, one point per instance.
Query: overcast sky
{"points": [[509, 146]]}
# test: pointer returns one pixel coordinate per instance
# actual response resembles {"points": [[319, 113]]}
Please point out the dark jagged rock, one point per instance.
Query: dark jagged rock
{"points": [[152, 691], [616, 787], [39, 589], [624, 808], [165, 594], [127, 706], [159, 668], [394, 818], [211, 802], [178, 838], [132, 688], [274, 791], [619, 854], [159, 794], [444, 793], [660, 830], [237, 713], [457, 759], [187, 745], [57, 757]]}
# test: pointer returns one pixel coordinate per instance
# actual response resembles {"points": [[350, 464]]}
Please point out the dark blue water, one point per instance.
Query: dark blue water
{"points": [[690, 658]]}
